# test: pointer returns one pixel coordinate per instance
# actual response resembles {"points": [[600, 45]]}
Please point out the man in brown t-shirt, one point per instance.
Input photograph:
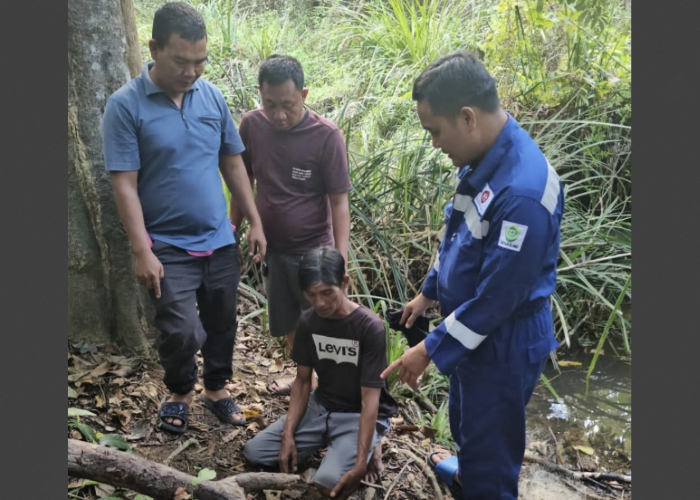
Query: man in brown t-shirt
{"points": [[299, 161]]}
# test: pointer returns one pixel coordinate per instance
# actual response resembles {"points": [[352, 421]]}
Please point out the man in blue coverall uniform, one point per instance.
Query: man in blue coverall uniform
{"points": [[493, 275]]}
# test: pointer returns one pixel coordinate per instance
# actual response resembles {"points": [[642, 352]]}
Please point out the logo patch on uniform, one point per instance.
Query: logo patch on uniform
{"points": [[512, 236], [338, 350], [483, 199]]}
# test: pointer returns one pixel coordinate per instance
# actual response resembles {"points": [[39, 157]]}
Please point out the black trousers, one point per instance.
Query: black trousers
{"points": [[208, 282]]}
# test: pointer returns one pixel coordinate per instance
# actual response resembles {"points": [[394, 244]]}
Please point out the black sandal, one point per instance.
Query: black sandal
{"points": [[223, 409], [171, 409]]}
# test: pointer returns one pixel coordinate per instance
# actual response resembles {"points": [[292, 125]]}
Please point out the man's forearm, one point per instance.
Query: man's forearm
{"points": [[368, 423], [237, 216], [298, 401], [236, 177], [131, 215], [340, 213]]}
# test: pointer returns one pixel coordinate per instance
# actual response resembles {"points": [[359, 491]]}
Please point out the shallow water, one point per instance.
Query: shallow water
{"points": [[601, 419]]}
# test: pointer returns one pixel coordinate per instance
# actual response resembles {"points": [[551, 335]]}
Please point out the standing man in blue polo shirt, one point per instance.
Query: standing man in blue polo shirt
{"points": [[167, 134], [493, 276]]}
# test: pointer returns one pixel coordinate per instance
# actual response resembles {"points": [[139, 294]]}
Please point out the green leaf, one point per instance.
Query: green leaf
{"points": [[78, 412], [585, 449], [71, 393], [87, 432], [204, 475], [142, 497], [540, 5], [115, 441]]}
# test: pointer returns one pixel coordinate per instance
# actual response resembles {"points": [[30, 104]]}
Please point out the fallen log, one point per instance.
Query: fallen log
{"points": [[124, 470], [605, 476]]}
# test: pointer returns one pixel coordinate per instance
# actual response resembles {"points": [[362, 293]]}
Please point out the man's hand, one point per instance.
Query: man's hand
{"points": [[411, 364], [149, 270], [288, 455], [415, 309], [257, 244], [349, 483]]}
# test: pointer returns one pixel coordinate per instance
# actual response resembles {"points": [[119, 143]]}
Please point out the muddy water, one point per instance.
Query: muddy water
{"points": [[600, 420]]}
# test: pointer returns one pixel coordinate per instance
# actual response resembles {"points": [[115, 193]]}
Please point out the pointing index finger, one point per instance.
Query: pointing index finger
{"points": [[393, 366]]}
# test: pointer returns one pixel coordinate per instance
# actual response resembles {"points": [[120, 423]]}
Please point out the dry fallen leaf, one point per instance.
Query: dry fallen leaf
{"points": [[425, 443], [141, 429], [124, 416], [104, 490], [123, 371], [228, 437], [100, 370], [277, 367], [181, 494], [99, 401], [272, 495], [428, 432], [250, 413], [568, 363]]}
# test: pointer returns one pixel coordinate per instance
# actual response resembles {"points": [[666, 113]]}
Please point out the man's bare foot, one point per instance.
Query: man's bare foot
{"points": [[439, 457], [215, 396], [375, 467], [283, 386], [178, 398]]}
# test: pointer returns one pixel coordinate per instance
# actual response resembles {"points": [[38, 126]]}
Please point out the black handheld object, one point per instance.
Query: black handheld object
{"points": [[416, 334]]}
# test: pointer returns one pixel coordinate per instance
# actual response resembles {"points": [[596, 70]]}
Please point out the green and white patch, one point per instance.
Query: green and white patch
{"points": [[512, 235]]}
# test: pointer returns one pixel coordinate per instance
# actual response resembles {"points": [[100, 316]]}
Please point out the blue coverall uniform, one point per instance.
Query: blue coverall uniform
{"points": [[493, 277]]}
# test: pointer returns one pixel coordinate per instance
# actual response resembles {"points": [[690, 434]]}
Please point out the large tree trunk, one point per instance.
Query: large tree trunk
{"points": [[105, 303], [133, 51]]}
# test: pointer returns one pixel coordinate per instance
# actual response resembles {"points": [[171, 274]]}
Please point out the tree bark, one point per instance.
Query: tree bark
{"points": [[105, 303], [120, 469], [133, 50]]}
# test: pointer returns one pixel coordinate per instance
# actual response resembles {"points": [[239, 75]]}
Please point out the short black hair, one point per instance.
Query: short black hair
{"points": [[321, 265], [277, 69], [180, 18], [454, 81]]}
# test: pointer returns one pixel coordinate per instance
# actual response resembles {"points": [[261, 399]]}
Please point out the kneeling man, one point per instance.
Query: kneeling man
{"points": [[345, 343]]}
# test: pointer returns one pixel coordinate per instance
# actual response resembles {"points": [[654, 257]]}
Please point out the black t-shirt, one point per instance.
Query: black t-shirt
{"points": [[347, 354]]}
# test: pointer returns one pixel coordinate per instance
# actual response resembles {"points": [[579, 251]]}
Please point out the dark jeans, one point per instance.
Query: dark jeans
{"points": [[210, 283]]}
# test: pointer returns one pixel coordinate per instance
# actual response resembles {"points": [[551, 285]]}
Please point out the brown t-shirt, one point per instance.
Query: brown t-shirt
{"points": [[295, 171], [347, 354]]}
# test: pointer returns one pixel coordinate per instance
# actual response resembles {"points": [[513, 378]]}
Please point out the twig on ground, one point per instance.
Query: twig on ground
{"points": [[556, 446], [179, 450], [396, 479], [424, 468], [372, 485], [244, 370], [604, 476]]}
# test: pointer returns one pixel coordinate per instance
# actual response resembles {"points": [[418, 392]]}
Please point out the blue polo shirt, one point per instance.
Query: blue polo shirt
{"points": [[498, 258], [176, 152]]}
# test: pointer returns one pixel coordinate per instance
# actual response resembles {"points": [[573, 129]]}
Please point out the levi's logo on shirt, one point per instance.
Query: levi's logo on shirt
{"points": [[338, 350]]}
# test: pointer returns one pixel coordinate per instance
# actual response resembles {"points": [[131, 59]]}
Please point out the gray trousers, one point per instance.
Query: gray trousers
{"points": [[316, 430]]}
